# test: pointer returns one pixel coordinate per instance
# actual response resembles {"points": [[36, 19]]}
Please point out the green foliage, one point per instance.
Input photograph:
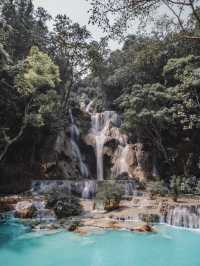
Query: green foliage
{"points": [[115, 16], [182, 70], [38, 71], [197, 191], [110, 194], [25, 27], [64, 205], [153, 82], [32, 96], [69, 48], [38, 76], [146, 105], [177, 186], [159, 187]]}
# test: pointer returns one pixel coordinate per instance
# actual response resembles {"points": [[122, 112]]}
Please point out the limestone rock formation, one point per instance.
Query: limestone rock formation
{"points": [[132, 159]]}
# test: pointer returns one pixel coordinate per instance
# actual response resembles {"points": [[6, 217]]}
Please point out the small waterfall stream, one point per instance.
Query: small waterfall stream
{"points": [[98, 126], [121, 166], [74, 134], [184, 216]]}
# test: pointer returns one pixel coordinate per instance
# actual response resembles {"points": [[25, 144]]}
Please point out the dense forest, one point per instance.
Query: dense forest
{"points": [[153, 82]]}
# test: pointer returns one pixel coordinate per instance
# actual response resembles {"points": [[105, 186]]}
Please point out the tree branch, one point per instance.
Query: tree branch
{"points": [[9, 141]]}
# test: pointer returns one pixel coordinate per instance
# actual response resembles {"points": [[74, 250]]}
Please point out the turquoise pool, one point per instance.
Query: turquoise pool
{"points": [[170, 247]]}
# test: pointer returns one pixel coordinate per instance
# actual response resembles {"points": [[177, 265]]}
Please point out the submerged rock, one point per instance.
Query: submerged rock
{"points": [[143, 229], [74, 226]]}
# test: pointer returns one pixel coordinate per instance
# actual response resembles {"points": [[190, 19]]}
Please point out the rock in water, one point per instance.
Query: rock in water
{"points": [[25, 210]]}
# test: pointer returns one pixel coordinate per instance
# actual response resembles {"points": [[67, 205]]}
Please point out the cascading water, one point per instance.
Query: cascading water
{"points": [[74, 134], [184, 216], [88, 107], [89, 190], [101, 129], [121, 155], [98, 131]]}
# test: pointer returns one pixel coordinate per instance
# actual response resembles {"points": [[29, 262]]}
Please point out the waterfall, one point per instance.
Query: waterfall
{"points": [[121, 165], [85, 189], [75, 134], [98, 131], [88, 107], [130, 188], [101, 129], [89, 190], [184, 216]]}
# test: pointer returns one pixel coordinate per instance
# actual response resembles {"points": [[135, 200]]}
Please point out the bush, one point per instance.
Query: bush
{"points": [[197, 190], [110, 194], [158, 187], [183, 185], [149, 218], [64, 205], [177, 186]]}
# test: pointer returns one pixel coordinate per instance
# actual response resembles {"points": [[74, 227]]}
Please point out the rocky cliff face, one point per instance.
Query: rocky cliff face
{"points": [[134, 161], [71, 157]]}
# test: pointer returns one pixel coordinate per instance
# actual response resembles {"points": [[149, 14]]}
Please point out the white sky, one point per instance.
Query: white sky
{"points": [[77, 10]]}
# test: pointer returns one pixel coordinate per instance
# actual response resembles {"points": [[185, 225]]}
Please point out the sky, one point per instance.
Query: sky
{"points": [[77, 10]]}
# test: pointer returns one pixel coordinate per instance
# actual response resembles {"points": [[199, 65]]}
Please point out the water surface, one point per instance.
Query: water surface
{"points": [[170, 247]]}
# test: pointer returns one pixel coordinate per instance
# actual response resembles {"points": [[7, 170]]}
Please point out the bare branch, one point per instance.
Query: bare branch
{"points": [[9, 141]]}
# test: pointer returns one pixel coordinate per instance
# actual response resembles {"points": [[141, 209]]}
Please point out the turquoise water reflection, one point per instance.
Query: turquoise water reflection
{"points": [[170, 247]]}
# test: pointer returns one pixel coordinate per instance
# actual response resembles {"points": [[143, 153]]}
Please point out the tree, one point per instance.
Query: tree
{"points": [[69, 44], [27, 27], [98, 53], [110, 194], [147, 111], [124, 12], [35, 81]]}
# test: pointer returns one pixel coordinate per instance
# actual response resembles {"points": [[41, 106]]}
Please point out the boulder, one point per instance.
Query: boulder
{"points": [[144, 229], [25, 210], [74, 226]]}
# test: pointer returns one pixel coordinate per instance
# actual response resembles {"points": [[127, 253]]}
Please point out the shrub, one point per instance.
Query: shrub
{"points": [[177, 186], [158, 187], [197, 190], [64, 205], [110, 194]]}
